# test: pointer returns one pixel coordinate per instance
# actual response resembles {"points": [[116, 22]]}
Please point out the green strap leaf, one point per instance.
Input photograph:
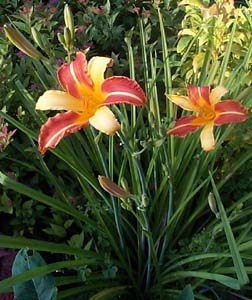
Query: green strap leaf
{"points": [[223, 279], [43, 270], [237, 260], [227, 55], [21, 242], [41, 197]]}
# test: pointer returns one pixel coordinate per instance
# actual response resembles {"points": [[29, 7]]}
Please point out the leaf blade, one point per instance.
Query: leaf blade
{"points": [[237, 260]]}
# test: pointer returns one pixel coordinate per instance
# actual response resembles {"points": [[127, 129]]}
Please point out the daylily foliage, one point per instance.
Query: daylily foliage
{"points": [[85, 98], [209, 112]]}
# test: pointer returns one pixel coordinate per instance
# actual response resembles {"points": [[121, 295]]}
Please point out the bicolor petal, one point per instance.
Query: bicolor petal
{"points": [[74, 76], [86, 95], [209, 112], [105, 121], [58, 127], [229, 111], [58, 100], [199, 95], [216, 94], [96, 69], [184, 125], [183, 102], [207, 137], [120, 89]]}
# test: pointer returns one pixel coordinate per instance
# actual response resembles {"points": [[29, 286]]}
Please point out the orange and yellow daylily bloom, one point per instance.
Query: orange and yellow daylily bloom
{"points": [[85, 97], [209, 111]]}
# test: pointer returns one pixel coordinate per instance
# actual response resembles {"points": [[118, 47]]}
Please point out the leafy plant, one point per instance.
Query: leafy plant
{"points": [[218, 21]]}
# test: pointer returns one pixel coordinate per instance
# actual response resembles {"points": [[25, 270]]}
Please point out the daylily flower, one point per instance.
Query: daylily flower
{"points": [[85, 97], [209, 112]]}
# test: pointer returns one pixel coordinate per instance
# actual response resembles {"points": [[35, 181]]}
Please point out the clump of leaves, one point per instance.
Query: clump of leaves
{"points": [[202, 21]]}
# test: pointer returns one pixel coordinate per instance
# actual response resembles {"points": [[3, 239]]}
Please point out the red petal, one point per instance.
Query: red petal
{"points": [[120, 89], [198, 93], [229, 111], [58, 127], [74, 75], [183, 126]]}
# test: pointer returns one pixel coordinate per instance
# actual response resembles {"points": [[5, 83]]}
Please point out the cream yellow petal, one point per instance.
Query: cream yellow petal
{"points": [[96, 68], [183, 102], [105, 121], [217, 93], [207, 137], [58, 100]]}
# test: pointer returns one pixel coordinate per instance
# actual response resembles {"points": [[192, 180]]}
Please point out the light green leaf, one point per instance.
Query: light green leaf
{"points": [[108, 7], [196, 3], [183, 43], [198, 61]]}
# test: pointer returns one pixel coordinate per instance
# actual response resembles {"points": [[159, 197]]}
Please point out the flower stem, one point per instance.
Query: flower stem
{"points": [[114, 203], [142, 208]]}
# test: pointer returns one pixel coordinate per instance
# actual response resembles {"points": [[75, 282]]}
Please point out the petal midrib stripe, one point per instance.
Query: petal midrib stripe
{"points": [[126, 94], [58, 133], [73, 73], [230, 112], [183, 125]]}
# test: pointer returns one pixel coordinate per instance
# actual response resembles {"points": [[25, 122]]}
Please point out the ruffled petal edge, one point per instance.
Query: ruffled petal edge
{"points": [[120, 89], [229, 111]]}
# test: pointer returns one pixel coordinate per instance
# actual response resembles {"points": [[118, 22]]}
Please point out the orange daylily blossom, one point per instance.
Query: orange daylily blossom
{"points": [[209, 111], [85, 97]]}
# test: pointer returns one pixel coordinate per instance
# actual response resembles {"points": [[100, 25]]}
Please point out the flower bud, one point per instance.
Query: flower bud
{"points": [[67, 37], [113, 189], [68, 17], [212, 205], [145, 201], [22, 43], [61, 39]]}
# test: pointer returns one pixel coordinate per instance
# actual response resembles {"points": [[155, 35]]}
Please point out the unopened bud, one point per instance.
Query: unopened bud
{"points": [[69, 21], [67, 37], [212, 204], [22, 43], [61, 39], [145, 201], [128, 36], [126, 204], [113, 189]]}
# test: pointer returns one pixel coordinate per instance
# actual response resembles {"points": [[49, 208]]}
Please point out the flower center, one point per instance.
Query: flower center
{"points": [[207, 113], [91, 100]]}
